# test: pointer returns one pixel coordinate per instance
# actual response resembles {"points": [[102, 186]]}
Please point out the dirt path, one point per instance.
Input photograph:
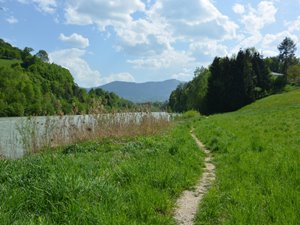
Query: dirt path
{"points": [[187, 204]]}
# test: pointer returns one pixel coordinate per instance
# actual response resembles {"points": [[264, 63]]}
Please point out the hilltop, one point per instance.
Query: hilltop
{"points": [[143, 92]]}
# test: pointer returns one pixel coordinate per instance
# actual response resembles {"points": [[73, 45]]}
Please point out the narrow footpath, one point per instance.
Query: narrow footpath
{"points": [[187, 205]]}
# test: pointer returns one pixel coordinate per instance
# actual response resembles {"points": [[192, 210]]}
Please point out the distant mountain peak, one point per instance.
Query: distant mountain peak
{"points": [[151, 91]]}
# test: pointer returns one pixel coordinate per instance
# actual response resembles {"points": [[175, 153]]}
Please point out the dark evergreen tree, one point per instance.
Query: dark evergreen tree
{"points": [[287, 49], [229, 84], [215, 89], [262, 79]]}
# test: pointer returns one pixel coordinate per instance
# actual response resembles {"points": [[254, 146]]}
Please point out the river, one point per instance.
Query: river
{"points": [[20, 134]]}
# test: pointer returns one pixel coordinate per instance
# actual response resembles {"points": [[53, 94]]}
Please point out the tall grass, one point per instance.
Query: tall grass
{"points": [[257, 157], [37, 134], [113, 180]]}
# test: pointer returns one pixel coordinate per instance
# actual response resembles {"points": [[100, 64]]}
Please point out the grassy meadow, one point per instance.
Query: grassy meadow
{"points": [[257, 158], [133, 175], [115, 180]]}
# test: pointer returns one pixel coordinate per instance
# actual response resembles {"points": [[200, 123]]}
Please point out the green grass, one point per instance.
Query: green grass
{"points": [[5, 62], [257, 156], [110, 181], [190, 114]]}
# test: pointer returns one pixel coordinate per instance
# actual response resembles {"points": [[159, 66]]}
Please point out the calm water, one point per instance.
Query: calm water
{"points": [[16, 132]]}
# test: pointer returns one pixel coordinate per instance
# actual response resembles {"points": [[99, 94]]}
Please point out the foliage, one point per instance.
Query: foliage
{"points": [[190, 114], [229, 84], [133, 180], [293, 74], [32, 86], [286, 56], [273, 63], [256, 151], [7, 51], [237, 81], [43, 55], [153, 106], [191, 95]]}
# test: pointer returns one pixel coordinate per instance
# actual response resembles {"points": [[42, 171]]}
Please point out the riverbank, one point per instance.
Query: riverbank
{"points": [[124, 180], [23, 135]]}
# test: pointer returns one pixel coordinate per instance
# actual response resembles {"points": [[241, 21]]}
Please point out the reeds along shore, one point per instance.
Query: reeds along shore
{"points": [[36, 135]]}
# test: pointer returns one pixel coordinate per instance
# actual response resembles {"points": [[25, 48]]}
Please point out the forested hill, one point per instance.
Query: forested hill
{"points": [[143, 92], [30, 85]]}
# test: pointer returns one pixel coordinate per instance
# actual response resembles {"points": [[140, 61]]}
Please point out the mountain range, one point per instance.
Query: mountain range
{"points": [[154, 91]]}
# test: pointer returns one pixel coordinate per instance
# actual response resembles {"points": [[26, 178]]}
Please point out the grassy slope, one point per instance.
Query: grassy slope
{"points": [[5, 62], [111, 181], [257, 154]]}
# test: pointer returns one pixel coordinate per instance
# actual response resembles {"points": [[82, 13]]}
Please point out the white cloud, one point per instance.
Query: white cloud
{"points": [[75, 39], [238, 8], [83, 74], [293, 25], [47, 6], [183, 75], [248, 42], [168, 58], [151, 37], [117, 14], [209, 48], [12, 20], [72, 59], [265, 44], [119, 77], [271, 41], [101, 12], [256, 19], [194, 19]]}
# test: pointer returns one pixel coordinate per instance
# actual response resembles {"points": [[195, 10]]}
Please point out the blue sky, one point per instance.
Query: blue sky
{"points": [[100, 41]]}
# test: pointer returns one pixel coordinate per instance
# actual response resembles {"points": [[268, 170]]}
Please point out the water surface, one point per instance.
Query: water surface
{"points": [[17, 133]]}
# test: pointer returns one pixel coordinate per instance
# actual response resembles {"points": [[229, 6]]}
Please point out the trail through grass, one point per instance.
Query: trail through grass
{"points": [[188, 202], [257, 156], [111, 181]]}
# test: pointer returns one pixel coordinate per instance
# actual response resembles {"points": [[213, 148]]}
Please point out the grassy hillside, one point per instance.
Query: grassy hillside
{"points": [[110, 181], [257, 156], [5, 62]]}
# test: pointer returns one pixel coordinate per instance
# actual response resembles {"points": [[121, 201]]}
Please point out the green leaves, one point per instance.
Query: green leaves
{"points": [[29, 85]]}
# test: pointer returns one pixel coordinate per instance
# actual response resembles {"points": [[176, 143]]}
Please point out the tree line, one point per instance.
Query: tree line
{"points": [[233, 82], [30, 85]]}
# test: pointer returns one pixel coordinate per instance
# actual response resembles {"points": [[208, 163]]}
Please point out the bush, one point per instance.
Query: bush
{"points": [[190, 114]]}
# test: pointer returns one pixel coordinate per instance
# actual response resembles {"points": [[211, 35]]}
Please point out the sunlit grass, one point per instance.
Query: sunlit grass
{"points": [[257, 156], [37, 135], [116, 180]]}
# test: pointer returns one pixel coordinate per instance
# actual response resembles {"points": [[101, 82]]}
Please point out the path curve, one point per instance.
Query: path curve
{"points": [[187, 205]]}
